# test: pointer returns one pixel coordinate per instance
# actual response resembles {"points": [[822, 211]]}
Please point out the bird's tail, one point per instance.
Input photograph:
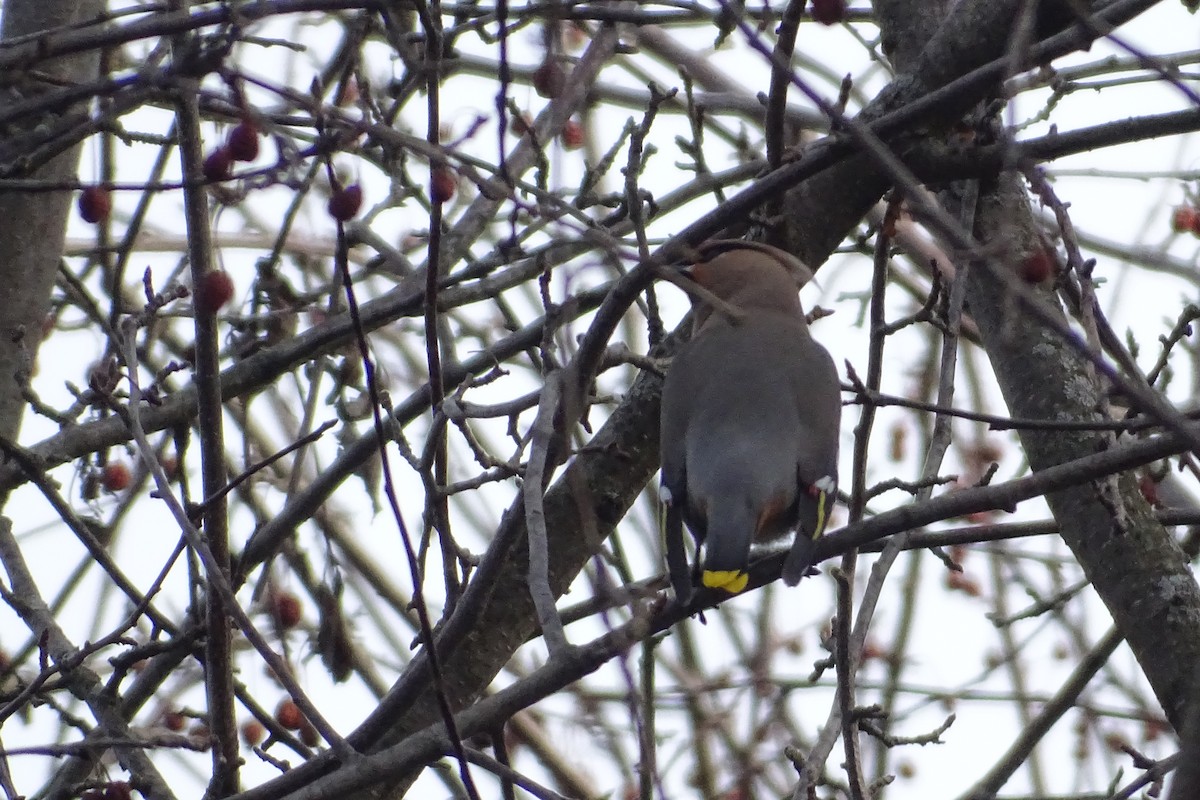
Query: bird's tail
{"points": [[727, 549]]}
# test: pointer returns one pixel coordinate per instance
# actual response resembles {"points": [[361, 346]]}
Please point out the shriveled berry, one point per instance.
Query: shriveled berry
{"points": [[116, 476], [345, 201], [960, 582], [104, 375], [897, 441], [1116, 742], [242, 142], [576, 36], [95, 204], [289, 715], [309, 735], [872, 651], [348, 93], [253, 732], [285, 609], [218, 165], [214, 290]]}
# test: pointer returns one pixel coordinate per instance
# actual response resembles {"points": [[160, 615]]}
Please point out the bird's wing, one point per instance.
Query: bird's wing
{"points": [[676, 399], [819, 408]]}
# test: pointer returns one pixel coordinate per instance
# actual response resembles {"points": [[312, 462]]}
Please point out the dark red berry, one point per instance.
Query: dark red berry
{"points": [[442, 183], [242, 142], [95, 204], [1037, 266], [117, 790], [572, 135], [345, 201], [218, 166], [1185, 219], [549, 78], [214, 290], [1149, 489], [829, 12]]}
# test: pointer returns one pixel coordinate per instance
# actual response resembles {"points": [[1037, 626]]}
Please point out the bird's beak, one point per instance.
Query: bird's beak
{"points": [[681, 276]]}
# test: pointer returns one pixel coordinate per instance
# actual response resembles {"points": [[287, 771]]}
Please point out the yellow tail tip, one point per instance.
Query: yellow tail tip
{"points": [[730, 580]]}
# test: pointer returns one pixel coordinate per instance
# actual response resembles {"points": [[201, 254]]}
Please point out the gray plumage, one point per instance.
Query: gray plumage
{"points": [[750, 417]]}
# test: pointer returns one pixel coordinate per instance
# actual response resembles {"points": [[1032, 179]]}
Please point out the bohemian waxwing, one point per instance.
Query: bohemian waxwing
{"points": [[750, 420]]}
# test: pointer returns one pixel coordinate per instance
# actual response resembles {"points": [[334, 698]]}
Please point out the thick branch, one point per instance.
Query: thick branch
{"points": [[1135, 566], [34, 228]]}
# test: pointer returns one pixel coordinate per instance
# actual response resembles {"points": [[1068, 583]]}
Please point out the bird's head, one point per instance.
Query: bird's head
{"points": [[748, 277]]}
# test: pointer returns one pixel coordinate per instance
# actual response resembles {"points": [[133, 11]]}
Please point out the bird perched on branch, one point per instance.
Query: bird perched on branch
{"points": [[750, 414]]}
